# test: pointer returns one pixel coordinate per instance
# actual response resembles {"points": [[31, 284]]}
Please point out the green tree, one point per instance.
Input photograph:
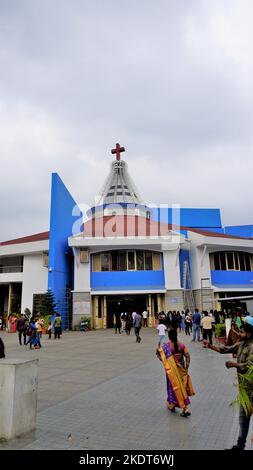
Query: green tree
{"points": [[46, 304]]}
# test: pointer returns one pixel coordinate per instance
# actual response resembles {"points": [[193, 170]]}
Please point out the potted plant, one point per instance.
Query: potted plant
{"points": [[85, 323], [46, 320], [220, 333]]}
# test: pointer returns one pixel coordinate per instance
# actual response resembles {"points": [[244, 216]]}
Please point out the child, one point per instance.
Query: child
{"points": [[49, 330], [161, 331]]}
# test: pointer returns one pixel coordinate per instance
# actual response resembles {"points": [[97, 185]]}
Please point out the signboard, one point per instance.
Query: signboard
{"points": [[81, 308]]}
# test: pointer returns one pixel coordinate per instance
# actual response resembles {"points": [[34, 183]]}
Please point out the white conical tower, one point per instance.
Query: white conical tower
{"points": [[119, 188]]}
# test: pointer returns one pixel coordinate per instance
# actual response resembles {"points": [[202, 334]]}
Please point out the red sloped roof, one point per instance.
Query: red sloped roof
{"points": [[30, 238], [208, 233], [133, 226], [124, 226]]}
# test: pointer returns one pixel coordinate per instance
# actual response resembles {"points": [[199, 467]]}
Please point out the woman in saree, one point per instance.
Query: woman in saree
{"points": [[176, 360]]}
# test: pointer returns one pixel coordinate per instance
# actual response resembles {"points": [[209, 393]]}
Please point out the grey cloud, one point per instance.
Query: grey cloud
{"points": [[160, 77]]}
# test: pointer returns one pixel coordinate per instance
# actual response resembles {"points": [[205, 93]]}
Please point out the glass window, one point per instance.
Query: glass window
{"points": [[223, 265], [114, 256], [122, 262], [216, 258], [105, 262], [247, 262], [131, 260], [148, 261], [230, 260], [236, 258], [140, 260], [242, 262]]}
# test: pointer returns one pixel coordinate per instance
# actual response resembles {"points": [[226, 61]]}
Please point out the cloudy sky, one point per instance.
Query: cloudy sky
{"points": [[171, 80]]}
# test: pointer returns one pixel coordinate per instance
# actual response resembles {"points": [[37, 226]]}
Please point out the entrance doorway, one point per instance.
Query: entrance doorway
{"points": [[124, 303], [232, 302]]}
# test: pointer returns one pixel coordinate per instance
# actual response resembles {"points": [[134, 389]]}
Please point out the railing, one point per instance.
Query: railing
{"points": [[10, 269]]}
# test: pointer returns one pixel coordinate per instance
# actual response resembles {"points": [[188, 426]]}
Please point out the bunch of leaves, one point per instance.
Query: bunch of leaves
{"points": [[245, 390], [220, 330]]}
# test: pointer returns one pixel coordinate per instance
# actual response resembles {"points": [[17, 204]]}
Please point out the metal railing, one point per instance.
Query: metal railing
{"points": [[10, 269]]}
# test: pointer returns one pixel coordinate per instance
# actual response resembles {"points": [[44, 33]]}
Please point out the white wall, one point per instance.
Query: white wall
{"points": [[171, 269], [35, 279], [199, 260], [82, 274]]}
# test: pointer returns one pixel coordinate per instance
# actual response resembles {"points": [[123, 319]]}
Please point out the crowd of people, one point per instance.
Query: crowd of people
{"points": [[29, 329]]}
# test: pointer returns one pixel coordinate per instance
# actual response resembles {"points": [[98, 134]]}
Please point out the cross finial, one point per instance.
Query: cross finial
{"points": [[118, 151]]}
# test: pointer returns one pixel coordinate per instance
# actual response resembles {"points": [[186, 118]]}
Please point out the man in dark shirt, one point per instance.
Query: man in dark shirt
{"points": [[137, 326], [244, 351], [196, 320], [21, 329]]}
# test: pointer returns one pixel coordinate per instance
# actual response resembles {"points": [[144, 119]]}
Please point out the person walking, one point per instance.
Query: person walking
{"points": [[145, 318], [117, 323], [207, 325], [176, 361], [244, 351], [196, 319], [183, 321], [49, 330], [128, 324], [21, 329], [123, 320], [188, 324], [57, 326], [137, 326], [161, 331]]}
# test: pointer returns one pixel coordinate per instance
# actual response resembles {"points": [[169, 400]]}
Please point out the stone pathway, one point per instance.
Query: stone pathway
{"points": [[99, 390]]}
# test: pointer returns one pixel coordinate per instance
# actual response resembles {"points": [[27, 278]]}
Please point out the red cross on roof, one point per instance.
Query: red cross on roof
{"points": [[118, 151]]}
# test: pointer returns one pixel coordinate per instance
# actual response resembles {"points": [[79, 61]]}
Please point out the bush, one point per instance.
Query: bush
{"points": [[85, 319], [220, 330]]}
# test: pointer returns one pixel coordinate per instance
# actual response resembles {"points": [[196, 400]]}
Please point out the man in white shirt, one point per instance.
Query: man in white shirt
{"points": [[161, 331], [207, 325], [145, 318]]}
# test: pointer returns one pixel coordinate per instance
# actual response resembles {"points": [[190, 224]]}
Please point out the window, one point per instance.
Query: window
{"points": [[216, 261], [230, 261], [122, 261], [223, 264], [236, 259], [140, 260], [45, 259], [114, 260], [247, 262], [96, 263], [148, 261], [242, 262], [130, 260], [157, 262], [105, 262]]}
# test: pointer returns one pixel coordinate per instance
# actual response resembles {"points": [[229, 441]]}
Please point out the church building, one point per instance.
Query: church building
{"points": [[124, 255]]}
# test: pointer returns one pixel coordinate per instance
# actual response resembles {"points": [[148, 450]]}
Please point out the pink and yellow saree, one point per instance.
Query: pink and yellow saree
{"points": [[179, 385]]}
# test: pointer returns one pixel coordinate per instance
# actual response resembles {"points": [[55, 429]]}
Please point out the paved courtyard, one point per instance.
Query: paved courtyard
{"points": [[98, 390]]}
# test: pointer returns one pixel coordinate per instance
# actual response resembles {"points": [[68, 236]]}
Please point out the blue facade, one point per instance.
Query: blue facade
{"points": [[60, 255], [184, 256], [127, 280], [194, 218], [240, 231], [240, 279]]}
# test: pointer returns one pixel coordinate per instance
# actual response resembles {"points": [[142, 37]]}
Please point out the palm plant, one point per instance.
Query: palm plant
{"points": [[245, 390]]}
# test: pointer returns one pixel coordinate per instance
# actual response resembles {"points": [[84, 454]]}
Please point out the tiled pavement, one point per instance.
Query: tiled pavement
{"points": [[102, 391]]}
